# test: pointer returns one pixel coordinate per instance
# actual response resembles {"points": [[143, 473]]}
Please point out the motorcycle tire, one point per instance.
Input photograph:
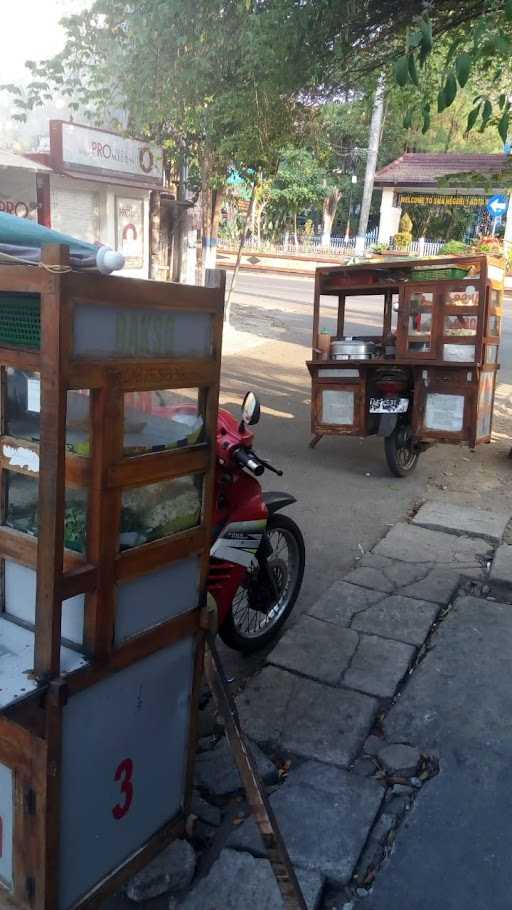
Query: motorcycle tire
{"points": [[237, 634], [401, 454]]}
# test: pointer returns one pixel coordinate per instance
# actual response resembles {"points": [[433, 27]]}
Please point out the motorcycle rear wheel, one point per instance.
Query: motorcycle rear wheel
{"points": [[402, 453], [248, 630]]}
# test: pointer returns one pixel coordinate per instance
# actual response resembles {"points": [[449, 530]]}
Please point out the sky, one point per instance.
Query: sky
{"points": [[30, 31]]}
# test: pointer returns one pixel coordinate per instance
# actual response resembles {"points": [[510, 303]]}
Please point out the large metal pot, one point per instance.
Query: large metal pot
{"points": [[349, 349]]}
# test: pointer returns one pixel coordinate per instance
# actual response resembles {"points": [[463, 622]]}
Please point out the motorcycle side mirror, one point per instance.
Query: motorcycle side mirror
{"points": [[251, 409]]}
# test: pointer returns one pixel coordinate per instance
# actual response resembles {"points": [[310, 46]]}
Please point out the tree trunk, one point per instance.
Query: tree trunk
{"points": [[371, 163], [243, 236], [295, 238], [329, 214], [210, 216]]}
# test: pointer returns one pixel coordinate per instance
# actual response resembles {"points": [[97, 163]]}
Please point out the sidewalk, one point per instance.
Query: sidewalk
{"points": [[382, 723]]}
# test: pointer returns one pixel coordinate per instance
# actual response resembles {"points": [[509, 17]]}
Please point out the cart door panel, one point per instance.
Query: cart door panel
{"points": [[338, 408], [418, 322], [445, 405]]}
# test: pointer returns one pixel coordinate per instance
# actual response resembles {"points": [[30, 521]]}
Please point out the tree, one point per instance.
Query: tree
{"points": [[298, 185], [188, 75]]}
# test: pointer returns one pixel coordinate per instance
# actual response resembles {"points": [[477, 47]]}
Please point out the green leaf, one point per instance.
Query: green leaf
{"points": [[441, 101], [402, 71], [472, 118], [415, 37], [463, 68], [426, 34], [503, 44], [507, 6], [450, 89], [502, 100], [503, 127], [413, 72], [487, 111], [426, 121], [407, 121]]}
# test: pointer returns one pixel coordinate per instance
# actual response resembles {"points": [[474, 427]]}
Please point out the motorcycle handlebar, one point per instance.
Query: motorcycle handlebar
{"points": [[250, 461]]}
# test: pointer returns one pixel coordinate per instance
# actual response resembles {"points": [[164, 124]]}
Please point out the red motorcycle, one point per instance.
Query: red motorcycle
{"points": [[257, 556]]}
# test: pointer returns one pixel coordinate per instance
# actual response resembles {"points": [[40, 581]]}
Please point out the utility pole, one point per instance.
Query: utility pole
{"points": [[371, 163]]}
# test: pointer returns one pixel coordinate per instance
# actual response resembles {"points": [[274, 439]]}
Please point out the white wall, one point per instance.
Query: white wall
{"points": [[389, 216]]}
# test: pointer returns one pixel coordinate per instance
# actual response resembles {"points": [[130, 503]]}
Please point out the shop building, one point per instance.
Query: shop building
{"points": [[93, 184]]}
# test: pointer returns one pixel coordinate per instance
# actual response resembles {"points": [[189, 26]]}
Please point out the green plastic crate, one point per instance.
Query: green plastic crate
{"points": [[438, 274], [20, 320]]}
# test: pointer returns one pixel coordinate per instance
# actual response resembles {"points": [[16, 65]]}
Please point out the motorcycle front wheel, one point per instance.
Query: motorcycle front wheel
{"points": [[248, 629]]}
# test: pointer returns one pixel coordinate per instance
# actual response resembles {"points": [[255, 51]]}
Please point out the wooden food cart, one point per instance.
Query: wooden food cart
{"points": [[427, 373], [104, 544]]}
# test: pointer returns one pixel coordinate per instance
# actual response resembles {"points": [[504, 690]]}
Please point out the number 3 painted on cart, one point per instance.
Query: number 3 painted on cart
{"points": [[124, 774]]}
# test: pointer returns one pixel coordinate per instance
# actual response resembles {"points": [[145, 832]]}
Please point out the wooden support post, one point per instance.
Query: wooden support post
{"points": [[275, 847], [104, 511], [388, 313], [50, 555], [341, 315]]}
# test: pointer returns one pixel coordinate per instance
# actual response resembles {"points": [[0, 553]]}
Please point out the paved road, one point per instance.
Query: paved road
{"points": [[346, 497]]}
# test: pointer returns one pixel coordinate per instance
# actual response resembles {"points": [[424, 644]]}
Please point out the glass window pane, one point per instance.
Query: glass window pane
{"points": [[420, 301], [22, 495], [491, 353], [22, 510], [160, 509], [493, 325], [420, 324], [24, 406], [459, 324], [419, 347], [163, 419], [463, 297]]}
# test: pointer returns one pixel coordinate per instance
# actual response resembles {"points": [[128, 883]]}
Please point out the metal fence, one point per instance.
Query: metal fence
{"points": [[311, 246]]}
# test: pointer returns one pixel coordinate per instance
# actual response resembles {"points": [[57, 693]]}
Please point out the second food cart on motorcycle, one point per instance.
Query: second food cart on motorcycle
{"points": [[429, 373]]}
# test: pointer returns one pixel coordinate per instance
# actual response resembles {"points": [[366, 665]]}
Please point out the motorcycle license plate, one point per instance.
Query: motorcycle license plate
{"points": [[388, 405]]}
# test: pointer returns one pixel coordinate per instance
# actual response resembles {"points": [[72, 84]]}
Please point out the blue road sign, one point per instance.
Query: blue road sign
{"points": [[497, 205]]}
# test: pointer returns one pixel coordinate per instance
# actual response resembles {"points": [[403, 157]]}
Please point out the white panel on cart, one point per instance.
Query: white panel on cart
{"points": [[151, 599], [6, 823], [20, 601], [124, 746]]}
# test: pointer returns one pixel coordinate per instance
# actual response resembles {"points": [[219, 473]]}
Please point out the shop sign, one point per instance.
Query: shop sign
{"points": [[90, 150], [130, 230], [18, 207], [439, 199]]}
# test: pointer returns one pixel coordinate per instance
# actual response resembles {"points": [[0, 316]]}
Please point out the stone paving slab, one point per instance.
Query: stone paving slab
{"points": [[324, 815], [414, 544], [305, 717], [422, 580], [342, 600], [378, 665], [463, 690], [501, 571], [216, 771], [445, 516], [316, 649], [453, 851], [239, 881], [400, 618]]}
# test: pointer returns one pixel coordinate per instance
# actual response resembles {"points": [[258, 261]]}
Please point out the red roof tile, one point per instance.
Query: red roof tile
{"points": [[423, 168]]}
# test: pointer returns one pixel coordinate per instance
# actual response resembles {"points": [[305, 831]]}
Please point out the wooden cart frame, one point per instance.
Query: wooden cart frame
{"points": [[31, 727], [435, 365]]}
